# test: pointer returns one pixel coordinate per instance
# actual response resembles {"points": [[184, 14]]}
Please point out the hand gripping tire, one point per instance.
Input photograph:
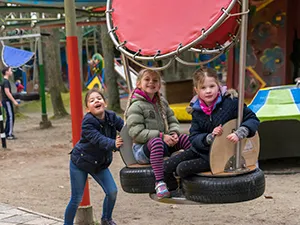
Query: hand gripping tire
{"points": [[142, 180], [224, 189]]}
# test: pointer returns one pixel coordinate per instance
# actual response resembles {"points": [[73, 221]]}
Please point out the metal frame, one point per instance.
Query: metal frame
{"points": [[180, 49], [223, 47], [20, 36]]}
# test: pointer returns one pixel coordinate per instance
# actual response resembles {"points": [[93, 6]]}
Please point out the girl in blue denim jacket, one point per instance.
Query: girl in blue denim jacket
{"points": [[93, 154]]}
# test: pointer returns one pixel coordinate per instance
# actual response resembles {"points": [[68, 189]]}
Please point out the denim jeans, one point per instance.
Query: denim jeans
{"points": [[78, 180]]}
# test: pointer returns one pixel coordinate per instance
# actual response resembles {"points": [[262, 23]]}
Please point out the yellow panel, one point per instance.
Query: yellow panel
{"points": [[94, 82], [180, 111]]}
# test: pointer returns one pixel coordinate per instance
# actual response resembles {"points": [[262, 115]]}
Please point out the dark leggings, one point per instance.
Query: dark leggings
{"points": [[186, 163]]}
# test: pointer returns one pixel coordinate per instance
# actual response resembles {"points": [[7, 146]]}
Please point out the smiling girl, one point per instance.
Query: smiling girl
{"points": [[153, 127], [211, 108], [93, 155]]}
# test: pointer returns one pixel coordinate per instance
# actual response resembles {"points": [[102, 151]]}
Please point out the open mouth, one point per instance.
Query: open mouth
{"points": [[98, 106]]}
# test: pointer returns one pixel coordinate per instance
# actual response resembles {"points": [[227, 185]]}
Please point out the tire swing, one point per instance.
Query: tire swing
{"points": [[223, 184], [234, 176]]}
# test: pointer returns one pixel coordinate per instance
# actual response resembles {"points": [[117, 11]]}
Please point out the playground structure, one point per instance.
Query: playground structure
{"points": [[18, 59], [214, 32], [96, 75], [278, 108]]}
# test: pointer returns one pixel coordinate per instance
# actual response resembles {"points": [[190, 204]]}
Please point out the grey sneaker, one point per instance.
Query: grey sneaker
{"points": [[107, 222]]}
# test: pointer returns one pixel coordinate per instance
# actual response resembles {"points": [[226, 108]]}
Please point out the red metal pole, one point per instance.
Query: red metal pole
{"points": [[74, 80]]}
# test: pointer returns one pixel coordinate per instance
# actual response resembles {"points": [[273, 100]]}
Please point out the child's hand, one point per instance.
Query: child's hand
{"points": [[169, 140], [119, 142], [218, 131], [233, 138], [175, 137]]}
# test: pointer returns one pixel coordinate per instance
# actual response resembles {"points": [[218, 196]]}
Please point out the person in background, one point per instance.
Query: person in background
{"points": [[8, 101], [19, 86]]}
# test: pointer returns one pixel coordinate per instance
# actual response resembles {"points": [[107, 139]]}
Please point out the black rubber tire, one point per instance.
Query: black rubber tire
{"points": [[141, 180], [29, 96], [239, 188]]}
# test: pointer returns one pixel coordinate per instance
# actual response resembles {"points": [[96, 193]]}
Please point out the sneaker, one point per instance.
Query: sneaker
{"points": [[162, 190], [12, 137], [107, 222]]}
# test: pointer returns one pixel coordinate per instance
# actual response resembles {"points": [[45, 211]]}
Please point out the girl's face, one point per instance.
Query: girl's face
{"points": [[150, 84], [208, 91], [96, 105]]}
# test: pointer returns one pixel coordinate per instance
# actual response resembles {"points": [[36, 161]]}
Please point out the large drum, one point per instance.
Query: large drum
{"points": [[159, 29]]}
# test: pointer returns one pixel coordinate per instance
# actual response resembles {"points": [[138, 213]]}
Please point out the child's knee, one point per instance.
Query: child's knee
{"points": [[155, 142], [112, 194], [181, 170]]}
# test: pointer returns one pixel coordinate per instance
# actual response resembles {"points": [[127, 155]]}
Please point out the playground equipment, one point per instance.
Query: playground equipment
{"points": [[97, 77], [16, 58], [204, 28], [278, 109]]}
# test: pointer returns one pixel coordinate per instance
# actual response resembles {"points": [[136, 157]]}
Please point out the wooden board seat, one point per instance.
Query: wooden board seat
{"points": [[223, 152]]}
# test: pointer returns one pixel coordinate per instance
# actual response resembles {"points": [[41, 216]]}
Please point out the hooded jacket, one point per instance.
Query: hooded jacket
{"points": [[226, 109]]}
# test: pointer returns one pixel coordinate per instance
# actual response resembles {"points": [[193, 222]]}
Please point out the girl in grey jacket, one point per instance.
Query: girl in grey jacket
{"points": [[153, 127]]}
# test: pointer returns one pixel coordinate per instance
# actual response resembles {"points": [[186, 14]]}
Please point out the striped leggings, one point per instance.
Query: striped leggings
{"points": [[156, 149]]}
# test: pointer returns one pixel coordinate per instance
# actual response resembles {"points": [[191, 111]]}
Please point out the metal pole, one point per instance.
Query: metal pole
{"points": [[87, 48], [19, 36], [127, 72], [45, 123], [84, 213], [95, 41], [242, 69]]}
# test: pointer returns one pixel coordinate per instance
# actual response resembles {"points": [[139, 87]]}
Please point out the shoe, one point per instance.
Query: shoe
{"points": [[107, 222], [162, 190], [12, 137]]}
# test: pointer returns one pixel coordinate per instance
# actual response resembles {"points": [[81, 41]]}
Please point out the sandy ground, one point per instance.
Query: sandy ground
{"points": [[34, 175]]}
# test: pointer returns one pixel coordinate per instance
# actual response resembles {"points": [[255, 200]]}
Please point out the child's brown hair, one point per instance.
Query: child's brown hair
{"points": [[200, 75], [87, 95]]}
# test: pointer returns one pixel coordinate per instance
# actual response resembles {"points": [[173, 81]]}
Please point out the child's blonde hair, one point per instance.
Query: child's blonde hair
{"points": [[200, 75], [161, 108]]}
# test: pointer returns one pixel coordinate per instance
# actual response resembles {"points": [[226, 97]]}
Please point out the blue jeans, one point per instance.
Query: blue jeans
{"points": [[78, 180]]}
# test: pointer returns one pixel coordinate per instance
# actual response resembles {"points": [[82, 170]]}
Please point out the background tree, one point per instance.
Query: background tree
{"points": [[52, 65], [111, 76]]}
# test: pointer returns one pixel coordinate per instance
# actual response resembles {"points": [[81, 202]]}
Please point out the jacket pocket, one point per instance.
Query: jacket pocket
{"points": [[85, 162]]}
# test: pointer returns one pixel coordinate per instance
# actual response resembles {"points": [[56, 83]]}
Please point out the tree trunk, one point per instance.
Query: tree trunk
{"points": [[53, 71], [110, 74], [80, 38]]}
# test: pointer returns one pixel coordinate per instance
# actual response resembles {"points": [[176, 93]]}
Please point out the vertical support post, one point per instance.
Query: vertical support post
{"points": [[24, 78], [84, 214], [87, 48], [127, 72], [242, 71], [95, 41], [2, 133], [45, 123]]}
